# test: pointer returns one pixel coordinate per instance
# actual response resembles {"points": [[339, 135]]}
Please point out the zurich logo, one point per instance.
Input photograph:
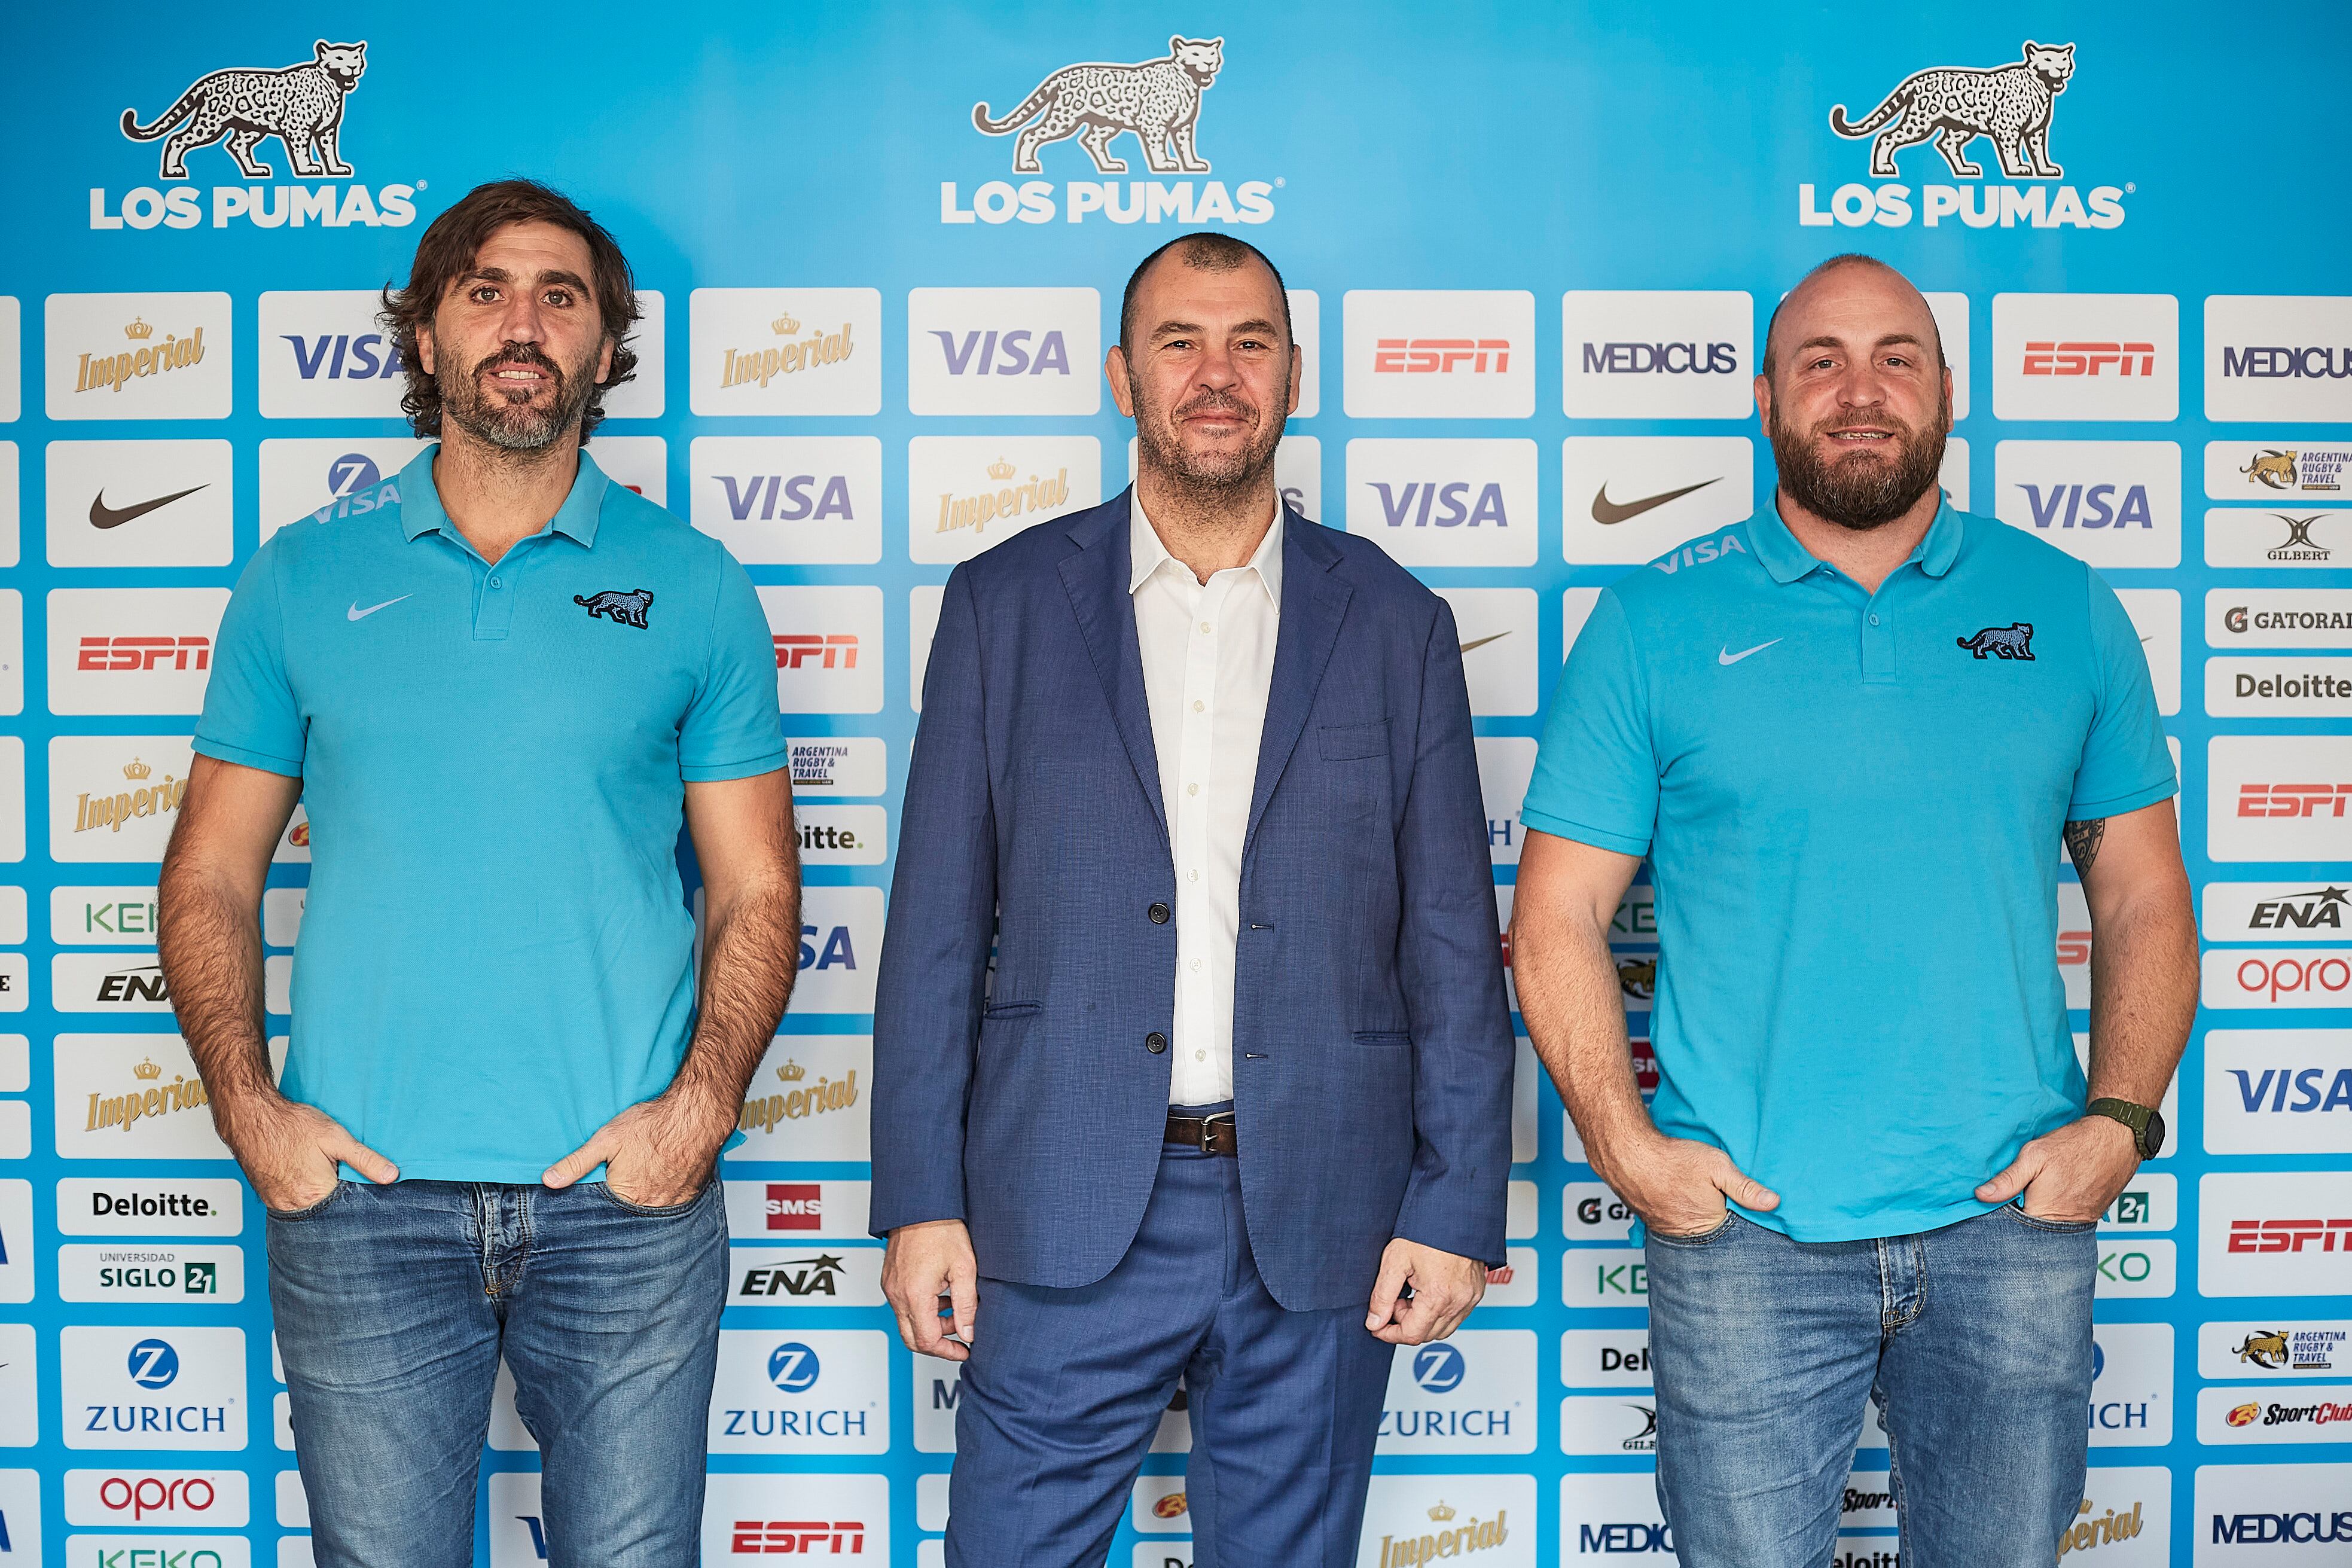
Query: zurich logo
{"points": [[792, 1367], [153, 1363], [2098, 1360], [1438, 1368], [351, 472]]}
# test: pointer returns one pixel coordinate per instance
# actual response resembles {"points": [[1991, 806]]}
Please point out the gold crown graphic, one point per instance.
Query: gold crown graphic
{"points": [[791, 1072], [147, 1069], [1001, 469], [135, 769], [1441, 1512], [139, 329], [786, 324]]}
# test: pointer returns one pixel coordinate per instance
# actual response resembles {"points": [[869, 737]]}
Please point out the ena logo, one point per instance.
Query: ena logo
{"points": [[2010, 106], [301, 107]]}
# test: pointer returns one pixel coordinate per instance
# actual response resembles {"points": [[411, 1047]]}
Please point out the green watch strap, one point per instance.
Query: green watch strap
{"points": [[2134, 1117]]}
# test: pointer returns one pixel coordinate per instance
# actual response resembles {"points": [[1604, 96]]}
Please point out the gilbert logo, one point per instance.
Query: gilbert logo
{"points": [[1156, 101], [2011, 105], [301, 106]]}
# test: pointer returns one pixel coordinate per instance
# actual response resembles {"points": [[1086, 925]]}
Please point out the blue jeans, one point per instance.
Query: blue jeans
{"points": [[393, 1305], [1974, 1340], [1066, 1387]]}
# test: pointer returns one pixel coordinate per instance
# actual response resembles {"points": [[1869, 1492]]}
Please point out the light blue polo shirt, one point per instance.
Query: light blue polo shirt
{"points": [[1852, 805], [496, 952]]}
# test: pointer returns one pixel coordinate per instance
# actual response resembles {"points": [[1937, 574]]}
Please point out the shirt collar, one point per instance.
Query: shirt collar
{"points": [[1147, 554], [1788, 560], [421, 510]]}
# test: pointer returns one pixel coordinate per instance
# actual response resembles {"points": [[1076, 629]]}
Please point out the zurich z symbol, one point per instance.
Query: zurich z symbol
{"points": [[2012, 641], [624, 609]]}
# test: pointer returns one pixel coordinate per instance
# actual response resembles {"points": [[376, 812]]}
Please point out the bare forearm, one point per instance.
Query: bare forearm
{"points": [[210, 944], [750, 955], [1576, 1021], [2143, 998]]}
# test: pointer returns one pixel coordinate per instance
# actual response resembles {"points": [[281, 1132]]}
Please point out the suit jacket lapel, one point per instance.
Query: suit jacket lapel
{"points": [[1313, 601], [1095, 578]]}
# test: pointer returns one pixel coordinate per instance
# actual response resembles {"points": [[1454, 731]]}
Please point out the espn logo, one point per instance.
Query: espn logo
{"points": [[2290, 1235], [796, 651], [1439, 356], [2049, 358], [801, 1537], [144, 653], [795, 1206], [2292, 799]]}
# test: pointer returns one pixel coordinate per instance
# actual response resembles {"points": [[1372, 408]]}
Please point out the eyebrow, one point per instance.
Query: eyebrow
{"points": [[1261, 327], [1914, 339], [500, 275]]}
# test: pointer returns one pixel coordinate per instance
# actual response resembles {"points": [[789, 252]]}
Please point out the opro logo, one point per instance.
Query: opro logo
{"points": [[2291, 1235], [2276, 977], [2292, 799], [2049, 357], [143, 1495], [144, 653]]}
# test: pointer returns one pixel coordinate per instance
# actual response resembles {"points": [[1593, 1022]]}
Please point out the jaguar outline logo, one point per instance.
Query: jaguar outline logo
{"points": [[1158, 101], [302, 105], [624, 610], [2010, 105], [2012, 641]]}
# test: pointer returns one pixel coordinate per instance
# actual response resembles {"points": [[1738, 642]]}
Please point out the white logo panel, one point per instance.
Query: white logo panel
{"points": [[115, 797], [2111, 503], [841, 947], [139, 503], [137, 356], [809, 1100], [325, 479], [216, 1499], [807, 1516], [2277, 912], [192, 1275], [1506, 764], [173, 1387], [2276, 469], [2131, 1389], [144, 1205], [1662, 353], [1468, 1395], [790, 500], [2272, 1516], [2299, 539], [131, 1096], [1445, 502], [784, 352], [1423, 1519], [2310, 687], [1440, 354], [1497, 628], [994, 352], [1611, 1514], [641, 396], [802, 1391], [2085, 356], [325, 356], [1631, 499], [2282, 357], [2284, 1347], [2274, 1233], [2278, 617], [132, 650], [2278, 797], [2156, 615], [828, 648]]}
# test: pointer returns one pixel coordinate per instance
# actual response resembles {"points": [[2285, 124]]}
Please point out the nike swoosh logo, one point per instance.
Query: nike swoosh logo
{"points": [[1606, 512], [357, 614], [1728, 656], [104, 516], [1482, 642]]}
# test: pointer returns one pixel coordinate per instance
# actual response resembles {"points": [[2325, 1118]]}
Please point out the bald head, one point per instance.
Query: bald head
{"points": [[1845, 286], [1205, 252]]}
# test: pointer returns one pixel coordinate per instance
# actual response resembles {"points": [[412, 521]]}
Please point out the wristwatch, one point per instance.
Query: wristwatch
{"points": [[2146, 1126]]}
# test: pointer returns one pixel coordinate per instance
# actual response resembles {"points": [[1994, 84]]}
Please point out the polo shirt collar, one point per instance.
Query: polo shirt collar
{"points": [[1788, 560], [1146, 555], [421, 511]]}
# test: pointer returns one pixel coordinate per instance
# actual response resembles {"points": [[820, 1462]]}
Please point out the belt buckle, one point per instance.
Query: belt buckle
{"points": [[1208, 1128]]}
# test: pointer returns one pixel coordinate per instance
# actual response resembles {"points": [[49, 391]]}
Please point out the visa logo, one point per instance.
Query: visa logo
{"points": [[1433, 505], [2307, 1085], [837, 949], [370, 354], [2103, 511], [763, 491], [1005, 353]]}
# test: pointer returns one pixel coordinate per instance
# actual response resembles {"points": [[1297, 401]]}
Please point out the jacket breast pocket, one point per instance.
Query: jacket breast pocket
{"points": [[1356, 767]]}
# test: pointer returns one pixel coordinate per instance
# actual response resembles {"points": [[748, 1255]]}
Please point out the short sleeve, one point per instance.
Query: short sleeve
{"points": [[732, 730], [1596, 776], [2125, 764], [250, 716]]}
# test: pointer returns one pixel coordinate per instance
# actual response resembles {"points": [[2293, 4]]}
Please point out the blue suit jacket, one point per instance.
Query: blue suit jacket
{"points": [[1371, 1042]]}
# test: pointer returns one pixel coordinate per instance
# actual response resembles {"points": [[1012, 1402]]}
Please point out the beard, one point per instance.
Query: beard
{"points": [[1207, 475], [509, 420], [1862, 489]]}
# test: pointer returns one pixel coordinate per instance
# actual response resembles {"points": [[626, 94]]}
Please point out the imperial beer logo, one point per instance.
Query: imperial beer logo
{"points": [[141, 799], [1015, 497], [794, 353], [141, 355], [2009, 107], [762, 1114], [299, 106], [1157, 102]]}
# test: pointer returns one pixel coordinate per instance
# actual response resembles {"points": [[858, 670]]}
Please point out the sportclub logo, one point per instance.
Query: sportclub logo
{"points": [[301, 107], [1157, 102], [2010, 106]]}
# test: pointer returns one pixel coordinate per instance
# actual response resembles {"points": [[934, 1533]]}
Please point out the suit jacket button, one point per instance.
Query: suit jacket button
{"points": [[1155, 1042], [1159, 913]]}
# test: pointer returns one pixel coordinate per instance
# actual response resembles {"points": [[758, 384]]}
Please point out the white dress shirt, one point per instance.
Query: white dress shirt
{"points": [[1208, 660]]}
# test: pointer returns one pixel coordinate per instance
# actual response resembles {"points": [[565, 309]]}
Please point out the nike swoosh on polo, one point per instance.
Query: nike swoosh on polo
{"points": [[1482, 642], [357, 614], [104, 516], [1606, 512], [1728, 656]]}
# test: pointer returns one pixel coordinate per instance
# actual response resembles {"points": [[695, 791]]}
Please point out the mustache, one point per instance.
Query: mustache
{"points": [[522, 354], [1214, 402]]}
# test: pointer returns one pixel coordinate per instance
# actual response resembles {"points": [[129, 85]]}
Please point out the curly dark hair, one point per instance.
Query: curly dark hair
{"points": [[448, 247]]}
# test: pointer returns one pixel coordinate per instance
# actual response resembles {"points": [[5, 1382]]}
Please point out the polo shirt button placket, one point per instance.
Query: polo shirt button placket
{"points": [[496, 617]]}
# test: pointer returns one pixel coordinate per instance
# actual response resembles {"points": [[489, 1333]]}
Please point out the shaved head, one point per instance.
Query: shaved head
{"points": [[1205, 252], [1838, 264]]}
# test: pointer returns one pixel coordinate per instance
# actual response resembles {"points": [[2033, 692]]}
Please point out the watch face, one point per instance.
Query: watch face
{"points": [[2154, 1134]]}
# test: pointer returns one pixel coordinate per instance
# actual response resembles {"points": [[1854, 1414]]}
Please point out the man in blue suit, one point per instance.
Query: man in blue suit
{"points": [[1236, 1106]]}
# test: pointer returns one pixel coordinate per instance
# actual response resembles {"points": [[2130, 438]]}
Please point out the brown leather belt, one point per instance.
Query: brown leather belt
{"points": [[1214, 1134]]}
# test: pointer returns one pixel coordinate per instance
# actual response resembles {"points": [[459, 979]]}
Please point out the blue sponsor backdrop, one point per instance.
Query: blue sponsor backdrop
{"points": [[2138, 265]]}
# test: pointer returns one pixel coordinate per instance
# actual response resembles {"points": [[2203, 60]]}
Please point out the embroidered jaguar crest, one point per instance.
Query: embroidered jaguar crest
{"points": [[624, 609], [2012, 641]]}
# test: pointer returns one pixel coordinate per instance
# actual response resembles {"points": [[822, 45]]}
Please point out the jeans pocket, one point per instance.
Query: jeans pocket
{"points": [[661, 1210], [1704, 1238], [309, 1211], [2015, 1209]]}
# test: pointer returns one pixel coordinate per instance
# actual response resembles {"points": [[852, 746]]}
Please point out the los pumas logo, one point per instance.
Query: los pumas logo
{"points": [[624, 610], [1156, 101], [2012, 641], [299, 105], [2010, 106]]}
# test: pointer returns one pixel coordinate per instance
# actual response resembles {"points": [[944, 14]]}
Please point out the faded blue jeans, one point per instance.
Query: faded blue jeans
{"points": [[392, 1306], [1974, 1340]]}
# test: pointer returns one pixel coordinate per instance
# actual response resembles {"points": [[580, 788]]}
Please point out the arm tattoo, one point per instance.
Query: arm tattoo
{"points": [[2083, 843]]}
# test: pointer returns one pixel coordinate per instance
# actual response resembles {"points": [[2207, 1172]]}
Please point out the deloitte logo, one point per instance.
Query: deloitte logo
{"points": [[1438, 1369], [792, 1367], [153, 1363]]}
